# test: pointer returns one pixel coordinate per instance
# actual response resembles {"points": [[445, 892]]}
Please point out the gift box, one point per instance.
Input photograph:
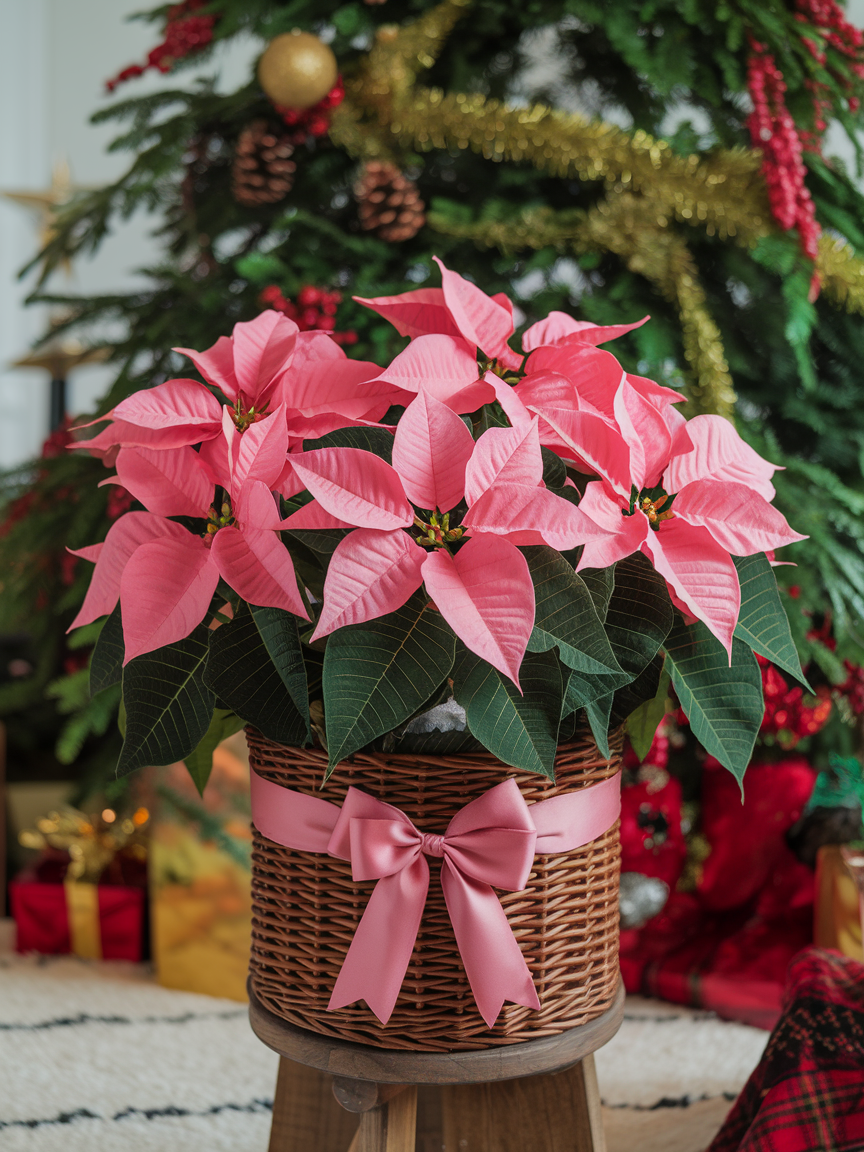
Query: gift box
{"points": [[86, 891], [200, 903], [839, 910]]}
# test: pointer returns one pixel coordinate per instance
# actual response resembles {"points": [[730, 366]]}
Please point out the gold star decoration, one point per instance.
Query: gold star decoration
{"points": [[45, 202]]}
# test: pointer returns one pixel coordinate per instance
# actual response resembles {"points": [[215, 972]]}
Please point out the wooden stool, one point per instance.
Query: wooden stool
{"points": [[538, 1096]]}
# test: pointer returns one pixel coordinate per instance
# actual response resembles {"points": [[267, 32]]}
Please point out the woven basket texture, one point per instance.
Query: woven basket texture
{"points": [[306, 906]]}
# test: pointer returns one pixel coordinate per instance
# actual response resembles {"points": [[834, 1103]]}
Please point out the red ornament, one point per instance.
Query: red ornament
{"points": [[184, 34], [314, 121]]}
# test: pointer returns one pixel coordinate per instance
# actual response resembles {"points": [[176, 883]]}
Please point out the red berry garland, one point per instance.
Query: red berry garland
{"points": [[184, 33], [773, 130]]}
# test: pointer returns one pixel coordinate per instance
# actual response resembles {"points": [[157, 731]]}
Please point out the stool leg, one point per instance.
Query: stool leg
{"points": [[306, 1118], [391, 1127], [558, 1113]]}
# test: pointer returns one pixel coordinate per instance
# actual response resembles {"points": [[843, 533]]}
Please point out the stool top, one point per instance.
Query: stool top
{"points": [[389, 1066]]}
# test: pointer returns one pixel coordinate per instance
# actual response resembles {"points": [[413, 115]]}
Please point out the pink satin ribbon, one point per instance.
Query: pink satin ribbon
{"points": [[491, 842]]}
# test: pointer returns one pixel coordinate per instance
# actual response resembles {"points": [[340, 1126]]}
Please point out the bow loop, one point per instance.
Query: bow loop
{"points": [[382, 847]]}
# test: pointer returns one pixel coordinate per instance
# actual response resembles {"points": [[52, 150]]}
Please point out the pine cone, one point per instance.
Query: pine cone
{"points": [[263, 172], [388, 202]]}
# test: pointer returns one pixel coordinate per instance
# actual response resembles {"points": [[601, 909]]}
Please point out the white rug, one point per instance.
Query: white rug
{"points": [[94, 1057]]}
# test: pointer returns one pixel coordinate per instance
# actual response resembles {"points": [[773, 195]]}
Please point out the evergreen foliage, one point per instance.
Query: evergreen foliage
{"points": [[673, 68]]}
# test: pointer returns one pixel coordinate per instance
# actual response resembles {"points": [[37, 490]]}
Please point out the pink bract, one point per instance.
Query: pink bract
{"points": [[457, 309]]}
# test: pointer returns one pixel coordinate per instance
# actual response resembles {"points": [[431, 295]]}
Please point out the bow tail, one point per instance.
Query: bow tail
{"points": [[378, 958], [493, 960]]}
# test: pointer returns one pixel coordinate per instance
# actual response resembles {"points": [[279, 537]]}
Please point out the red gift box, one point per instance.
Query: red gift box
{"points": [[54, 916]]}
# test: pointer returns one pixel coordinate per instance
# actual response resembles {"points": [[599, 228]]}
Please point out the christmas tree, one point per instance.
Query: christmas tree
{"points": [[690, 185]]}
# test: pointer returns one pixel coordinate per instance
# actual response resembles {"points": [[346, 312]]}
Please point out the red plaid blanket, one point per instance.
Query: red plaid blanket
{"points": [[807, 1093]]}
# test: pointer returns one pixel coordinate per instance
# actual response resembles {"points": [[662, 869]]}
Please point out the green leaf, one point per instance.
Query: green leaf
{"points": [[762, 621], [521, 730], [168, 706], [597, 713], [278, 630], [200, 763], [633, 695], [379, 673], [723, 704], [565, 616], [600, 583], [554, 472], [106, 663], [375, 440], [642, 724], [640, 614], [243, 676]]}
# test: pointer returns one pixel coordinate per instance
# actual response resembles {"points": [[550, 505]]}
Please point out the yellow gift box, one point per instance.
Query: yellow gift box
{"points": [[839, 907], [200, 903]]}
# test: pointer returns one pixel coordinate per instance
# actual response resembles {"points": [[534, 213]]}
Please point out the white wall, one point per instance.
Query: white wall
{"points": [[55, 56]]}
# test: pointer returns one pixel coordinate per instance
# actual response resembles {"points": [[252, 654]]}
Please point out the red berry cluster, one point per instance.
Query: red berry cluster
{"points": [[184, 33], [58, 441], [834, 31], [788, 717], [119, 501], [773, 130], [314, 121], [314, 309]]}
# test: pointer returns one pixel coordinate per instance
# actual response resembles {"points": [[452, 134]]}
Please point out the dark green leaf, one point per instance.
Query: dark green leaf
{"points": [[723, 704], [281, 638], [642, 724], [565, 616], [379, 673], [200, 762], [374, 440], [633, 695], [762, 621], [554, 472], [640, 614], [521, 730], [599, 582], [168, 706], [597, 713], [243, 676], [106, 663]]}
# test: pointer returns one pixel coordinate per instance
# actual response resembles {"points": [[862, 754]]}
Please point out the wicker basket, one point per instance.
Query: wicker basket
{"points": [[306, 907]]}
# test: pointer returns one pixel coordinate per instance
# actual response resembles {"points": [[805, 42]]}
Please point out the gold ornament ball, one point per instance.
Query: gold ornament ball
{"points": [[297, 70]]}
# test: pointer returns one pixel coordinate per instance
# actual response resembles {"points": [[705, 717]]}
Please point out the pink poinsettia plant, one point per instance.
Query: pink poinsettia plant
{"points": [[331, 550]]}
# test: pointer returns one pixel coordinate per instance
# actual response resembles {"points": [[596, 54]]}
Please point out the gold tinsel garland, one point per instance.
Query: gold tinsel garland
{"points": [[649, 187]]}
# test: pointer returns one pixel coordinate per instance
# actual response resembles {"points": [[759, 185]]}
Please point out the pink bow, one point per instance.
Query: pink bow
{"points": [[491, 841]]}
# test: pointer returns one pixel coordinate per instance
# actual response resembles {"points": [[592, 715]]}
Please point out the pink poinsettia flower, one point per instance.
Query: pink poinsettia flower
{"points": [[164, 575], [690, 498], [481, 585], [266, 363], [459, 309]]}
